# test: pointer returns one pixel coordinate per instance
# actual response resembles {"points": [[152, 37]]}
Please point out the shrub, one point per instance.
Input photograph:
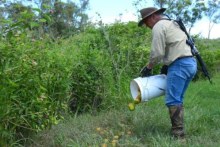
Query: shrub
{"points": [[87, 81], [209, 55], [34, 77]]}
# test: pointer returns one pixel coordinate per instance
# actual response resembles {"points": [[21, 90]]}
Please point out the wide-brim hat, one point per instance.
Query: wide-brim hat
{"points": [[146, 12]]}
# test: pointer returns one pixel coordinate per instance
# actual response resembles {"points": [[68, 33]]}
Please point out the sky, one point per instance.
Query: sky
{"points": [[111, 10]]}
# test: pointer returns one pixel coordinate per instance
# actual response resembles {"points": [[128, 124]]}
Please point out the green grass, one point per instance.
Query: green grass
{"points": [[148, 125]]}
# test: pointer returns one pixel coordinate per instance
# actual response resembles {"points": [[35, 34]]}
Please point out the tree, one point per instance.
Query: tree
{"points": [[53, 17], [213, 14], [66, 18], [16, 19], [190, 11]]}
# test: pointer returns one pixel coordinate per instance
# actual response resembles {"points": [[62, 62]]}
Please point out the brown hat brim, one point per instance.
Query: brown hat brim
{"points": [[141, 22]]}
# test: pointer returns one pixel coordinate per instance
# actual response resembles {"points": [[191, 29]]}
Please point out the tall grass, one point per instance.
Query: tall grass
{"points": [[148, 125]]}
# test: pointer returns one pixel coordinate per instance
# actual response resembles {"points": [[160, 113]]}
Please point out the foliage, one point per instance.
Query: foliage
{"points": [[107, 55], [67, 18], [128, 46], [209, 50], [56, 18], [91, 70], [41, 74], [188, 10], [34, 79], [213, 14]]}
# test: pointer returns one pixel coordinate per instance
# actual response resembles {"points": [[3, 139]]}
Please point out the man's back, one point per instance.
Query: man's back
{"points": [[169, 37]]}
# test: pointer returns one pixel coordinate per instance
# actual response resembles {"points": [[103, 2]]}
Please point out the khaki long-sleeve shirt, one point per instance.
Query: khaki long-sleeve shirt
{"points": [[169, 43]]}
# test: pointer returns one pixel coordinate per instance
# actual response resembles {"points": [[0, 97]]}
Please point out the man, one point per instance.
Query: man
{"points": [[169, 47]]}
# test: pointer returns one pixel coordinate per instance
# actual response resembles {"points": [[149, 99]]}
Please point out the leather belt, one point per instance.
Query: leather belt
{"points": [[183, 57]]}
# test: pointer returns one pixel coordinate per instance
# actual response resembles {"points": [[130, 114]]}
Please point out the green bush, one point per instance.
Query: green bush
{"points": [[210, 54], [34, 77], [107, 57], [87, 87]]}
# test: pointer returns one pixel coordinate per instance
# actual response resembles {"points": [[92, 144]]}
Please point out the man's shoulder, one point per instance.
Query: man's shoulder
{"points": [[165, 22], [162, 24]]}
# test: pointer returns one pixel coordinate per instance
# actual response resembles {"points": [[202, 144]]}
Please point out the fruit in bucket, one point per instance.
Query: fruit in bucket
{"points": [[138, 98], [131, 106]]}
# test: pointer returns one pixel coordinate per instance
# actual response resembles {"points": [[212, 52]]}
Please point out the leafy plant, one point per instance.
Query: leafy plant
{"points": [[34, 81]]}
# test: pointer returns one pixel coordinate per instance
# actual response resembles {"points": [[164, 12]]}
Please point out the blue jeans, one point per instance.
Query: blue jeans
{"points": [[179, 75]]}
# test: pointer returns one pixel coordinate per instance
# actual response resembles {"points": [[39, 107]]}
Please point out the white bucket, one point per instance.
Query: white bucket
{"points": [[150, 87]]}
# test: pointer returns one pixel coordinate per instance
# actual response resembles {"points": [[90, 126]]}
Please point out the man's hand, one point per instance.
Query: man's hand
{"points": [[146, 72], [164, 69]]}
